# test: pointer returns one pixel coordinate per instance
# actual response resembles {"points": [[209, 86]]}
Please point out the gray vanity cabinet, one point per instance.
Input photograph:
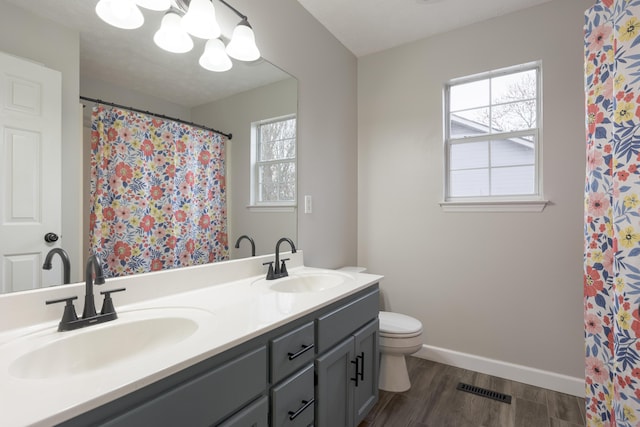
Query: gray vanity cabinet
{"points": [[347, 371], [320, 369]]}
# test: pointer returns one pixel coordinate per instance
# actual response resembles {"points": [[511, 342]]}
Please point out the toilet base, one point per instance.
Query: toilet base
{"points": [[393, 373]]}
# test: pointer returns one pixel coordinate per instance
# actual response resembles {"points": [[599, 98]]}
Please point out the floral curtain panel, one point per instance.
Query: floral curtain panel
{"points": [[158, 195], [612, 213]]}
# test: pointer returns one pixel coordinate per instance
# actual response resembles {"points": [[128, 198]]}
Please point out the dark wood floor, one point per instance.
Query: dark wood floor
{"points": [[433, 401]]}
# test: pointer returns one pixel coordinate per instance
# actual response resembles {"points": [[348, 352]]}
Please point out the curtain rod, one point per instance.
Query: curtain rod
{"points": [[162, 116]]}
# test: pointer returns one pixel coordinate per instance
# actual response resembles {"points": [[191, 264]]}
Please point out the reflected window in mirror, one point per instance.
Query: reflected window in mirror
{"points": [[274, 162]]}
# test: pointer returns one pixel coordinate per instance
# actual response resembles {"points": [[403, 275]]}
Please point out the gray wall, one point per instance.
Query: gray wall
{"points": [[327, 131], [98, 89], [503, 286]]}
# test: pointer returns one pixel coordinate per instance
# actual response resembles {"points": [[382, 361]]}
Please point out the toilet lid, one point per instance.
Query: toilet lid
{"points": [[396, 323]]}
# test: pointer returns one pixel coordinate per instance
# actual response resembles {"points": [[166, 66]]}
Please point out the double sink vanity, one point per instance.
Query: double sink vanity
{"points": [[212, 345]]}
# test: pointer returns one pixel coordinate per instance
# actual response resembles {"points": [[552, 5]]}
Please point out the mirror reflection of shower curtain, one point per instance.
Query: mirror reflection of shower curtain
{"points": [[158, 193], [612, 214]]}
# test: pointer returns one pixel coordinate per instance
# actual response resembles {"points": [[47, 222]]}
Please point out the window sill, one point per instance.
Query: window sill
{"points": [[271, 209], [495, 206]]}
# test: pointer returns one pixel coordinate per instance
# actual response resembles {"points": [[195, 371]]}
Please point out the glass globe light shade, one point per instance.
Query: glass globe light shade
{"points": [[214, 57], [200, 20], [243, 43], [120, 13], [171, 37], [159, 5]]}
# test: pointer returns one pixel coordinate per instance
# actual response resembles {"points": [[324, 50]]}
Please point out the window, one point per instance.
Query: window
{"points": [[274, 162], [492, 144]]}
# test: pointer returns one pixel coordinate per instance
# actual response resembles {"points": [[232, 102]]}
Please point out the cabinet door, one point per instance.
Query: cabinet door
{"points": [[366, 390], [334, 390]]}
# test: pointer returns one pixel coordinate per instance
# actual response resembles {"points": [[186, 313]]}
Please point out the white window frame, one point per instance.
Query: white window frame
{"points": [[491, 203], [255, 203]]}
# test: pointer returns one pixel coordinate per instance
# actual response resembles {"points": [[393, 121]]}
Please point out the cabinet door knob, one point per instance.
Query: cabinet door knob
{"points": [[305, 405]]}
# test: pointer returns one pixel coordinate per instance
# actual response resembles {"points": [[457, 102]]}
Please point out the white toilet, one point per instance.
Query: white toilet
{"points": [[400, 335]]}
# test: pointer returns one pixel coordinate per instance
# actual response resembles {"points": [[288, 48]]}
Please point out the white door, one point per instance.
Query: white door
{"points": [[30, 173]]}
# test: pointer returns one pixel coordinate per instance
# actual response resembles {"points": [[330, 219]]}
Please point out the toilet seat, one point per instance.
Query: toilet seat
{"points": [[398, 325], [399, 336]]}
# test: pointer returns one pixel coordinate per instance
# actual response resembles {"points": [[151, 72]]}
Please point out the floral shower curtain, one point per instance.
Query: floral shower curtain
{"points": [[158, 197], [612, 213]]}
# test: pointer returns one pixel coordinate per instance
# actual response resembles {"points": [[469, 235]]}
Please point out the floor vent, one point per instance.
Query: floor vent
{"points": [[490, 394]]}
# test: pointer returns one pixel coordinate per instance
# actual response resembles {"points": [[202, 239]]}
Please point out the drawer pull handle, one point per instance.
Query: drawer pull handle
{"points": [[305, 405], [361, 373], [299, 353], [357, 374]]}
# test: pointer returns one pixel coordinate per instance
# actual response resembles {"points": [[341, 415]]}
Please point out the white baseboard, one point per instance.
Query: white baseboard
{"points": [[524, 374]]}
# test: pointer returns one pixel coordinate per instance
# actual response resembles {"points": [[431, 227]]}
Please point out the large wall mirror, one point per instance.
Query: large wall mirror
{"points": [[125, 67]]}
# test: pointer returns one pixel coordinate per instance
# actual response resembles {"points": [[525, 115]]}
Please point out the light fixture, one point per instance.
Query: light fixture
{"points": [[158, 5], [171, 36], [120, 13], [243, 43], [195, 17], [214, 57], [200, 20]]}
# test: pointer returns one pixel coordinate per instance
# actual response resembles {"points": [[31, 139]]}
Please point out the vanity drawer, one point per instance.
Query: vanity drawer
{"points": [[204, 400], [292, 401], [291, 351], [336, 325], [254, 415]]}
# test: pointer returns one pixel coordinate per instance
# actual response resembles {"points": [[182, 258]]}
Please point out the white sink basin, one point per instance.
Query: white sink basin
{"points": [[307, 282], [62, 354]]}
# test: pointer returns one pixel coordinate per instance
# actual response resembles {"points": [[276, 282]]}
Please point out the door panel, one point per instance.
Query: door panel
{"points": [[366, 393], [334, 402], [30, 175]]}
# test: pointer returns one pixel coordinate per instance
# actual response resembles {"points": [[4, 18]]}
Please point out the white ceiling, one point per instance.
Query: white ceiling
{"points": [[130, 59], [368, 26]]}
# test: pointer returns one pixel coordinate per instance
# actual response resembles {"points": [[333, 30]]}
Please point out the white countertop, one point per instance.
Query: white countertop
{"points": [[233, 312]]}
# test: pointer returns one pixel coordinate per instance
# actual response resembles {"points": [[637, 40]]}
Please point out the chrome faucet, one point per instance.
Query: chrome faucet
{"points": [[253, 245], [280, 270], [70, 319], [66, 264]]}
